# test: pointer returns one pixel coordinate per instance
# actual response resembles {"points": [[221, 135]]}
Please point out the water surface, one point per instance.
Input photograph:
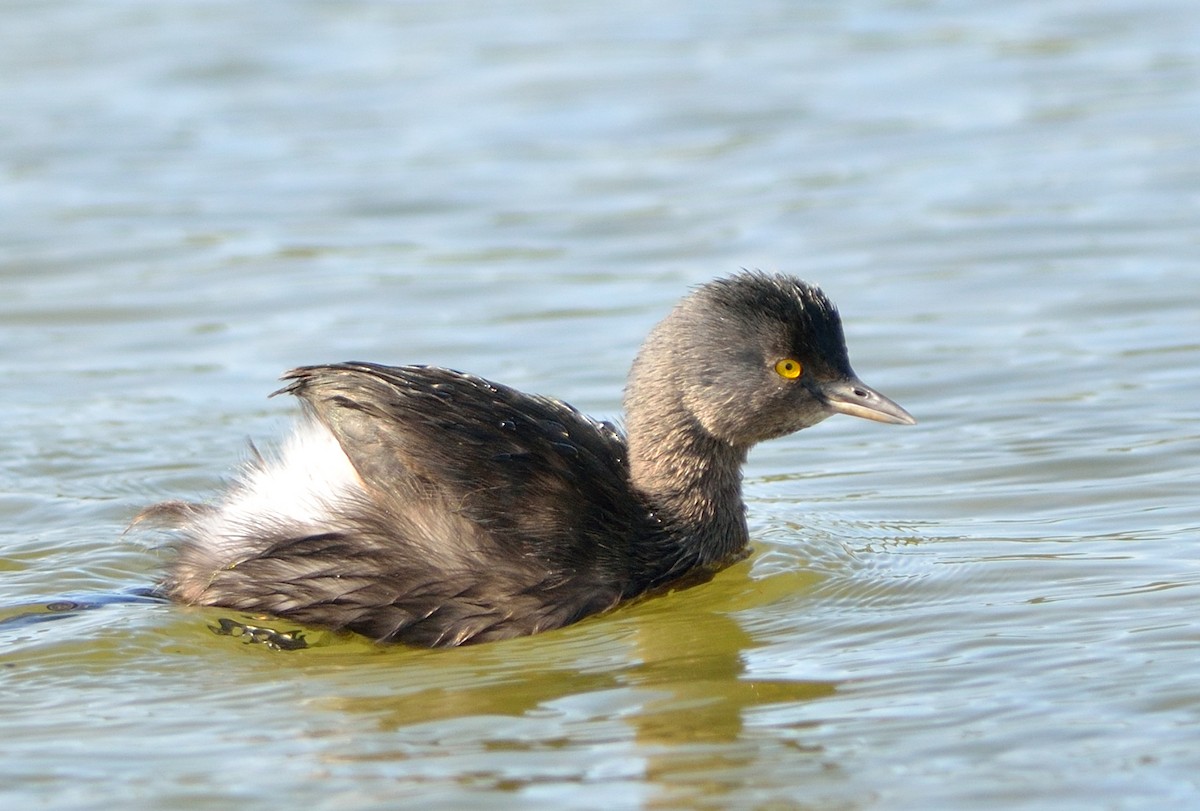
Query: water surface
{"points": [[994, 609]]}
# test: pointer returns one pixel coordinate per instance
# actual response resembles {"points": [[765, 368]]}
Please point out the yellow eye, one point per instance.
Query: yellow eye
{"points": [[788, 368]]}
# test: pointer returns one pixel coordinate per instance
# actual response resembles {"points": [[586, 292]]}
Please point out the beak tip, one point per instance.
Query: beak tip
{"points": [[898, 417], [859, 400]]}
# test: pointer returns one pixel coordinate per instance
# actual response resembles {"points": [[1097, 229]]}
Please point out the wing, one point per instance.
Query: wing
{"points": [[525, 490]]}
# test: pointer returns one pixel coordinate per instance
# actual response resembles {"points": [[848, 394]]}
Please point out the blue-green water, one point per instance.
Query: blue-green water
{"points": [[994, 609]]}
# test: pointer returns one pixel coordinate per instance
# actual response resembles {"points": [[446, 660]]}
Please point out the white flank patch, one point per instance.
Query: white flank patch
{"points": [[297, 487]]}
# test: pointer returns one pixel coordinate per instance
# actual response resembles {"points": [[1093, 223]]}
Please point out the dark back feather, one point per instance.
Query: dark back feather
{"points": [[490, 512]]}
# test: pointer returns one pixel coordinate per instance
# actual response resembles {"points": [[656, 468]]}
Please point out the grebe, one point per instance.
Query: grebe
{"points": [[425, 506]]}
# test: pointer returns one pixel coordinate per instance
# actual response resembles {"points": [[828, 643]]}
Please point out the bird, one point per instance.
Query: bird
{"points": [[434, 508]]}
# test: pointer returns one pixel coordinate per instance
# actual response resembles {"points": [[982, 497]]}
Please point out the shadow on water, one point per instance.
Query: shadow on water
{"points": [[664, 682], [691, 678], [681, 657], [26, 614]]}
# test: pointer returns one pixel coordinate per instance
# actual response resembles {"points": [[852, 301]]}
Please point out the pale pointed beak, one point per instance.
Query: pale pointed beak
{"points": [[852, 396]]}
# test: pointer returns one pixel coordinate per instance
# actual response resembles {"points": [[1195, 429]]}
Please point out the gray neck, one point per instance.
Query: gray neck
{"points": [[692, 479]]}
